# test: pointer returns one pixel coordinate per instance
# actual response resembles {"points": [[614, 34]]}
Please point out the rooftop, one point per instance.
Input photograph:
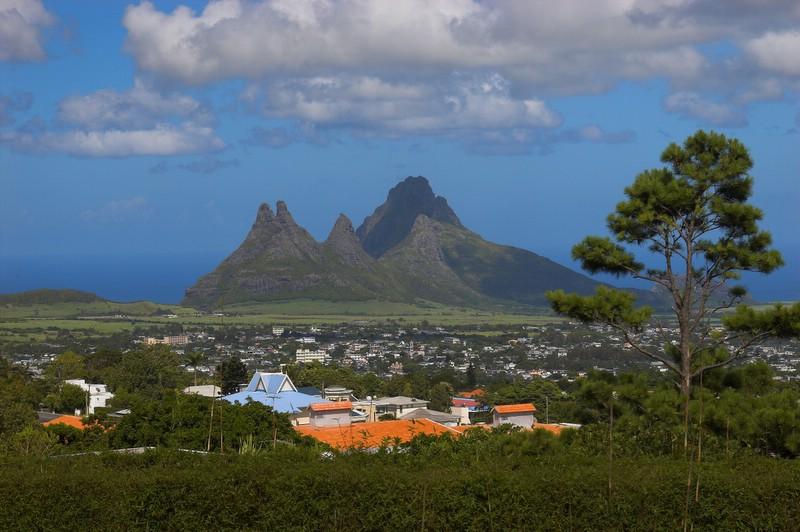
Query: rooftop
{"points": [[336, 405], [521, 408], [375, 434]]}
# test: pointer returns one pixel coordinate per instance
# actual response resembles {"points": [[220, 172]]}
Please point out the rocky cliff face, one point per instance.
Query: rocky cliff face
{"points": [[413, 247], [343, 243], [392, 221]]}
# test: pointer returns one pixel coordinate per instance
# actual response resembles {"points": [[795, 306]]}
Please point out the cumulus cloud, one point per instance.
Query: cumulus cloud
{"points": [[139, 107], [135, 208], [21, 25], [370, 103], [692, 105], [777, 52], [443, 66], [163, 139], [109, 123]]}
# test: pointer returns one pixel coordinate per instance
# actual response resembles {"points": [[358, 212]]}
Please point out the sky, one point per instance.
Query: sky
{"points": [[153, 130]]}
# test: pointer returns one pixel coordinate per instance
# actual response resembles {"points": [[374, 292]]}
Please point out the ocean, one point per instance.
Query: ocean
{"points": [[155, 277]]}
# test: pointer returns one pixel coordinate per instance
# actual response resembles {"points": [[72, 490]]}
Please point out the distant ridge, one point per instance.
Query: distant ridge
{"points": [[412, 248], [46, 296]]}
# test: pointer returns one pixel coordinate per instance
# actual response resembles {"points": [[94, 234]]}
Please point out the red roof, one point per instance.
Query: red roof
{"points": [[375, 434], [458, 401], [334, 405], [72, 421], [521, 408]]}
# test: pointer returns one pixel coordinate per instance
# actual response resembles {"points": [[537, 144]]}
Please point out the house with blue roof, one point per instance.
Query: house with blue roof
{"points": [[277, 391]]}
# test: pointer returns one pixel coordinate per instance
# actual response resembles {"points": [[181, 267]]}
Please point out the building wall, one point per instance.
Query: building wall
{"points": [[332, 418], [520, 420]]}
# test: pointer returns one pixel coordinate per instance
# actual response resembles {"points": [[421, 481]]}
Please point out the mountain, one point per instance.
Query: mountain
{"points": [[278, 259], [413, 247], [450, 258], [392, 221]]}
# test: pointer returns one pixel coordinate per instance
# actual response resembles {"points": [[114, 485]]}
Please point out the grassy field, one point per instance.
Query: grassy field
{"points": [[48, 322]]}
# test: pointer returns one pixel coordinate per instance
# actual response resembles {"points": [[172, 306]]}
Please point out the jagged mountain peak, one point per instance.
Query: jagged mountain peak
{"points": [[264, 214], [343, 242], [390, 223]]}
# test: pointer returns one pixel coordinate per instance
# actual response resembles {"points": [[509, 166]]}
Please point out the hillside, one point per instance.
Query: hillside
{"points": [[412, 248], [47, 296]]}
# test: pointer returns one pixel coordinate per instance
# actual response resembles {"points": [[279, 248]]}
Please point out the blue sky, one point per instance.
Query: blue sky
{"points": [[158, 128]]}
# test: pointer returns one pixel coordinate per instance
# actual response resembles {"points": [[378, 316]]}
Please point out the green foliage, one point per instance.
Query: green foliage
{"points": [[440, 396], [185, 422], [231, 373], [148, 371], [19, 397], [781, 321], [607, 305], [486, 482], [693, 215], [68, 399], [67, 365]]}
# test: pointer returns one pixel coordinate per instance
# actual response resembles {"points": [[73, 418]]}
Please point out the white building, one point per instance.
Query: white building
{"points": [[206, 390], [304, 356], [98, 394], [519, 415], [277, 330], [336, 414]]}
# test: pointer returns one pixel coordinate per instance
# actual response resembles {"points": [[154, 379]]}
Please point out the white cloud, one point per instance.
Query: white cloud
{"points": [[21, 24], [164, 139], [362, 103], [406, 66], [138, 107], [107, 123], [135, 208], [692, 105], [778, 52]]}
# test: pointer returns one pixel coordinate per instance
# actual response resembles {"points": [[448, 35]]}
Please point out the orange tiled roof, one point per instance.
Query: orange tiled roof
{"points": [[72, 421], [549, 427], [370, 435], [335, 405], [515, 409], [477, 392]]}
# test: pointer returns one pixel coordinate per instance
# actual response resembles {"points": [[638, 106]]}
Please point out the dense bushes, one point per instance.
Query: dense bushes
{"points": [[472, 488]]}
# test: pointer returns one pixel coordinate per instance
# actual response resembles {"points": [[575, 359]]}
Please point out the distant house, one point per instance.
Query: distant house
{"points": [[394, 406], [335, 414], [206, 390], [72, 421], [519, 415], [449, 420], [337, 393], [305, 356], [470, 410], [98, 394], [277, 391]]}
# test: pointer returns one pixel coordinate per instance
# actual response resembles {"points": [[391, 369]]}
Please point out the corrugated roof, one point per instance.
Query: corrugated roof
{"points": [[334, 405], [515, 409], [375, 434], [286, 402]]}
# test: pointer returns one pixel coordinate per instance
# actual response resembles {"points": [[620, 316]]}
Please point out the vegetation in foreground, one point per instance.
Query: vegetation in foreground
{"points": [[486, 482]]}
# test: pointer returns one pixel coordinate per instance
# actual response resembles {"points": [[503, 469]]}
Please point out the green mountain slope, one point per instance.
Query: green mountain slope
{"points": [[411, 248]]}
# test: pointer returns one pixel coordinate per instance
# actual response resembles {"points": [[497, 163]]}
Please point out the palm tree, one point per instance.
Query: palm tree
{"points": [[193, 360]]}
